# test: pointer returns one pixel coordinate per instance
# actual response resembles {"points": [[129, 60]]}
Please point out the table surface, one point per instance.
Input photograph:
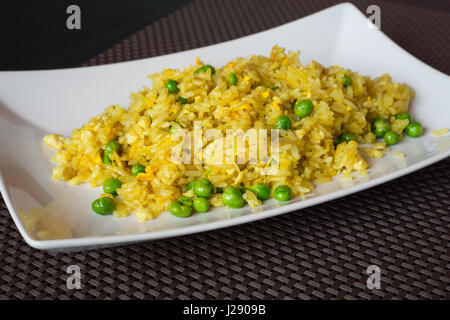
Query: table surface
{"points": [[319, 252]]}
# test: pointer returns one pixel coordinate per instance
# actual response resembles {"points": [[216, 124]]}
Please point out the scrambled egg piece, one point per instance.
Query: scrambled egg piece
{"points": [[147, 176], [399, 154], [54, 140], [439, 132]]}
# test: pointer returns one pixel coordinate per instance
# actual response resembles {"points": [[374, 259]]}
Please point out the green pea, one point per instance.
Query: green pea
{"points": [[106, 158], [275, 88], [103, 206], [182, 100], [282, 193], [347, 81], [283, 122], [403, 116], [190, 185], [347, 137], [219, 190], [336, 142], [261, 190], [380, 126], [201, 204], [232, 197], [303, 108], [414, 129], [205, 69], [112, 146], [185, 201], [233, 79], [172, 86], [137, 168], [390, 137], [111, 185], [203, 188], [180, 210]]}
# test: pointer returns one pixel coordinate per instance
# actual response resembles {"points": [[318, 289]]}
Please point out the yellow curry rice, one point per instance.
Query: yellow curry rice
{"points": [[266, 88]]}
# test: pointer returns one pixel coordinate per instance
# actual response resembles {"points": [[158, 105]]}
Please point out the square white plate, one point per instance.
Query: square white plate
{"points": [[34, 103]]}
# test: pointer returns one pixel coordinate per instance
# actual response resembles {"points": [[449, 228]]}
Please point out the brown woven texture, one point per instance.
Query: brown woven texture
{"points": [[319, 252]]}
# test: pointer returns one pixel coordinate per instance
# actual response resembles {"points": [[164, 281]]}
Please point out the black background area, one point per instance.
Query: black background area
{"points": [[34, 34]]}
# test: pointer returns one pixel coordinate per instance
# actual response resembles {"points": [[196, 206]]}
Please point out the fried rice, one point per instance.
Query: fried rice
{"points": [[266, 88]]}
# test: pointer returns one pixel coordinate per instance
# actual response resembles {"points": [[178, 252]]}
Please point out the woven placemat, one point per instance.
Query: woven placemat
{"points": [[319, 252]]}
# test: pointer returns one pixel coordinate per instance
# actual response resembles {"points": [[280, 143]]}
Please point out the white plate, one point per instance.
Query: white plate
{"points": [[33, 103]]}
